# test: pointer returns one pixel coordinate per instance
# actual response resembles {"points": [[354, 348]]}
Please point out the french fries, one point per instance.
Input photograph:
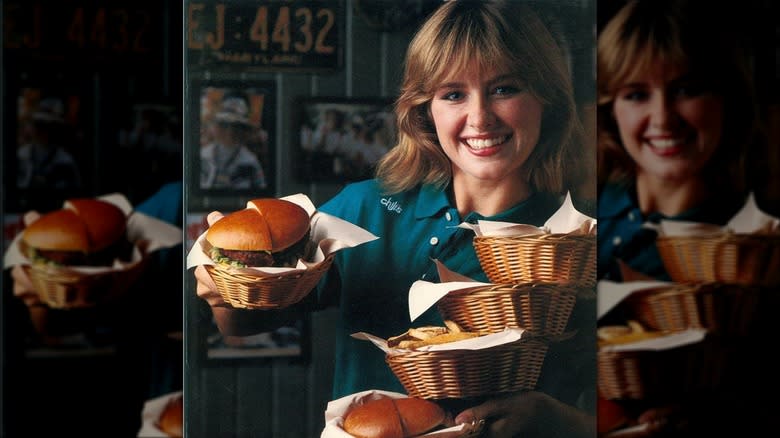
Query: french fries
{"points": [[624, 334], [430, 335]]}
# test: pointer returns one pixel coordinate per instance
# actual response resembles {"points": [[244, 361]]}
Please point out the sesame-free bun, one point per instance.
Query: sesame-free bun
{"points": [[84, 225], [393, 418], [171, 418], [266, 224]]}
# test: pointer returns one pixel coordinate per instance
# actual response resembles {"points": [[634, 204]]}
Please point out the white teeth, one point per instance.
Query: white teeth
{"points": [[479, 143], [665, 143]]}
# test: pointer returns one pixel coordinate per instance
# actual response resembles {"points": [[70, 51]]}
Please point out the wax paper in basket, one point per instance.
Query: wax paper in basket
{"points": [[566, 220], [329, 232], [155, 234], [152, 410], [425, 294], [487, 341], [337, 410], [750, 219]]}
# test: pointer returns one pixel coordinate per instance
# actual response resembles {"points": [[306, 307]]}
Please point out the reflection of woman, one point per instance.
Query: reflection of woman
{"points": [[44, 163], [488, 130], [228, 162], [676, 117]]}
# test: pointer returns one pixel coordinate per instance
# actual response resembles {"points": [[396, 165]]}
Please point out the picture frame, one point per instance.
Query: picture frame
{"points": [[233, 152], [340, 139], [49, 142]]}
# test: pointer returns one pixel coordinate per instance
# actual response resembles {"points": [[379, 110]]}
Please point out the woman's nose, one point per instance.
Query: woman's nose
{"points": [[480, 113], [662, 111]]}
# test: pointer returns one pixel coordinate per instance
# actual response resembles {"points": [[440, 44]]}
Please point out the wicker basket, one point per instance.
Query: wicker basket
{"points": [[541, 308], [554, 258], [470, 373], [244, 290], [731, 258], [65, 288], [721, 308], [661, 375]]}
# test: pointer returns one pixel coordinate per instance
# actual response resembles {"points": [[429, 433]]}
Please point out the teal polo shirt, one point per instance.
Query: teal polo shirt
{"points": [[370, 283], [621, 235]]}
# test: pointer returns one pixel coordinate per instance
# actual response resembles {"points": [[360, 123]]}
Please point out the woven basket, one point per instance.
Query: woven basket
{"points": [[554, 258], [721, 308], [541, 308], [732, 258], [245, 290], [470, 373], [65, 288]]}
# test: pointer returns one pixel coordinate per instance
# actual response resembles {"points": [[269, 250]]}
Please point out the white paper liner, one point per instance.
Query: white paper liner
{"points": [[611, 293], [332, 234], [566, 220], [337, 410], [424, 294], [506, 336], [152, 410], [749, 219], [666, 342], [155, 234]]}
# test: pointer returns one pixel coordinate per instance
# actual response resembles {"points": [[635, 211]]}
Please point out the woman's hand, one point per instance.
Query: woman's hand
{"points": [[528, 414], [206, 288]]}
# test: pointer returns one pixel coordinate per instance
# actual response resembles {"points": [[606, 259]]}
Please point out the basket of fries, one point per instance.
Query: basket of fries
{"points": [[249, 289], [67, 288], [548, 257], [739, 258], [722, 308], [541, 308], [460, 372], [629, 369]]}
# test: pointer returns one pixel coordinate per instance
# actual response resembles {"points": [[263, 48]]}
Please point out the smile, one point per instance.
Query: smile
{"points": [[665, 143], [484, 143]]}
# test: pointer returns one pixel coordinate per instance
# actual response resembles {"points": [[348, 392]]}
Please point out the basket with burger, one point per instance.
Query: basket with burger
{"points": [[438, 362], [163, 417], [727, 309], [78, 255], [562, 251], [272, 253], [745, 251], [541, 308], [385, 414]]}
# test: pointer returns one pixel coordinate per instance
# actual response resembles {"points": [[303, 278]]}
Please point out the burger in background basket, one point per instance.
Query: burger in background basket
{"points": [[269, 232], [85, 232]]}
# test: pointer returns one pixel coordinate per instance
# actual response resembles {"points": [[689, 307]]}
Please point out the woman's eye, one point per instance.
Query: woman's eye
{"points": [[452, 95], [634, 95], [506, 90]]}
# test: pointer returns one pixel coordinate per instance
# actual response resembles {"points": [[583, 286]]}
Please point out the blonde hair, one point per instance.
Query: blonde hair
{"points": [[490, 35], [683, 34]]}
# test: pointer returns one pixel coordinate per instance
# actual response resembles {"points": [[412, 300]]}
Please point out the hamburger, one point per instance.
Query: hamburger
{"points": [[394, 418], [85, 232], [269, 232], [170, 420]]}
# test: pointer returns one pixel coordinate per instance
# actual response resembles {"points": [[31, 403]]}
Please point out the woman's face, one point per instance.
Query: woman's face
{"points": [[487, 123], [669, 123]]}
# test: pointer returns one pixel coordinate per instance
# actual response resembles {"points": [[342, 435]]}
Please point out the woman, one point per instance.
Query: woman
{"points": [[488, 129], [676, 117]]}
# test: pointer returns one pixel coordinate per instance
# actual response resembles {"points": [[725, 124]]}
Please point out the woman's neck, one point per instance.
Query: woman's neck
{"points": [[488, 198], [667, 197]]}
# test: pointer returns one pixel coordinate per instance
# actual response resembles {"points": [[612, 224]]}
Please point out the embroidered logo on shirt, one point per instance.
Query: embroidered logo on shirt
{"points": [[391, 205]]}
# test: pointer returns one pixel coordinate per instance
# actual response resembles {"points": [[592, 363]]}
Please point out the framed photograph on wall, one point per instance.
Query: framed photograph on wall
{"points": [[341, 139], [234, 150], [49, 143]]}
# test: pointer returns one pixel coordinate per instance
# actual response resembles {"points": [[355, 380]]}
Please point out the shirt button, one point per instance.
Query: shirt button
{"points": [[434, 240], [616, 240], [448, 216], [423, 276], [631, 216]]}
